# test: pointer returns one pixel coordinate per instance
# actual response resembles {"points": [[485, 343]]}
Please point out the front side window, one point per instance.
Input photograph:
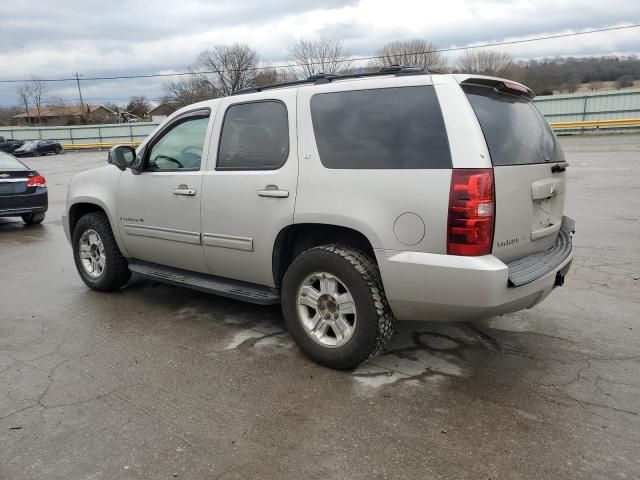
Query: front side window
{"points": [[181, 147], [390, 128], [255, 136]]}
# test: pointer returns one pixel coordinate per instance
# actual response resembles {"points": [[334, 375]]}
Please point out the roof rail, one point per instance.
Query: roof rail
{"points": [[320, 78]]}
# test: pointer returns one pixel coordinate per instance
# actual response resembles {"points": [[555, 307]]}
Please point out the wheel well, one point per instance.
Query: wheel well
{"points": [[79, 210], [295, 239]]}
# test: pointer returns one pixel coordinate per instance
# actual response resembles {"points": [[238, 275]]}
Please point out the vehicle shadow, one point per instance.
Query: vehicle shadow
{"points": [[14, 225], [418, 351]]}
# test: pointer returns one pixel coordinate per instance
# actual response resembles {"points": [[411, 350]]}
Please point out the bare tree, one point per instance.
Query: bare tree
{"points": [[269, 76], [24, 95], [324, 54], [571, 86], [114, 107], [595, 85], [484, 61], [139, 106], [37, 88], [412, 53], [624, 81], [56, 101], [188, 90], [7, 115], [232, 67]]}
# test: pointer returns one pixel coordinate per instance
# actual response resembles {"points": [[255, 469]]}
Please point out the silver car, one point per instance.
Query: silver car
{"points": [[352, 200]]}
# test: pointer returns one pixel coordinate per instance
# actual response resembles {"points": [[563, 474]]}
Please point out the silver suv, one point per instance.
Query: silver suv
{"points": [[352, 200]]}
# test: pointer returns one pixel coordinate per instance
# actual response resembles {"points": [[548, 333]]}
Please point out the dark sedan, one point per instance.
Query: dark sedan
{"points": [[35, 148], [9, 144], [23, 192]]}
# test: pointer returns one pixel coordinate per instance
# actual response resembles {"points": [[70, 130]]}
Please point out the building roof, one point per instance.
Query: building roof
{"points": [[64, 111], [163, 109]]}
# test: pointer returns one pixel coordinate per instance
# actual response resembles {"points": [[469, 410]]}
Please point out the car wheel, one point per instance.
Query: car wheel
{"points": [[33, 218], [335, 307], [36, 153], [58, 150], [97, 257]]}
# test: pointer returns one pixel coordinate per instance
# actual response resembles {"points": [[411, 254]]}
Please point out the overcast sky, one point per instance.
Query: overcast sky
{"points": [[54, 38]]}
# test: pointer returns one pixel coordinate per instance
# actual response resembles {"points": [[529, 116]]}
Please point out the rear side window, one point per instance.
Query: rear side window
{"points": [[390, 128], [515, 131], [255, 136]]}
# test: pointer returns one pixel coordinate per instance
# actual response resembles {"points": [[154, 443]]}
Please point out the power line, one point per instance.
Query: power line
{"points": [[373, 57]]}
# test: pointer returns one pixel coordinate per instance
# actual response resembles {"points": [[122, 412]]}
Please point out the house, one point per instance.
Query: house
{"points": [[68, 115], [161, 112]]}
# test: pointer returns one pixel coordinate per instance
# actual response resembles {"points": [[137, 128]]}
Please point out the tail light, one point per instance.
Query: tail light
{"points": [[36, 181], [471, 212]]}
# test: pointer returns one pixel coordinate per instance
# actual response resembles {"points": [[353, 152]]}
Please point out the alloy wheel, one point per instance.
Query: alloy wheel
{"points": [[326, 309], [92, 256]]}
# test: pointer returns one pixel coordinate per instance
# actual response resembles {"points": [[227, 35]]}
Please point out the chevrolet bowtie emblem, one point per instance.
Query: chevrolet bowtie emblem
{"points": [[4, 175]]}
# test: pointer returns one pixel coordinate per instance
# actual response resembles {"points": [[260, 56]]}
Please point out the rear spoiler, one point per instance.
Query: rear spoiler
{"points": [[501, 84]]}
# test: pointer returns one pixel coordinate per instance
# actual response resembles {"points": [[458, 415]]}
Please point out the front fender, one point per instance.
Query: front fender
{"points": [[97, 187]]}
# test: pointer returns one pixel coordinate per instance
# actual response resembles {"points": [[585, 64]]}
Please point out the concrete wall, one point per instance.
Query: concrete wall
{"points": [[122, 132], [576, 107]]}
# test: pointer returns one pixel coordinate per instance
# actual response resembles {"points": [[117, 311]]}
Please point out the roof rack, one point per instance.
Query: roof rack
{"points": [[320, 78]]}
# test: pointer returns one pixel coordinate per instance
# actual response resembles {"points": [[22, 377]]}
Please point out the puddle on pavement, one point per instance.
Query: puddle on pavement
{"points": [[417, 353], [422, 353]]}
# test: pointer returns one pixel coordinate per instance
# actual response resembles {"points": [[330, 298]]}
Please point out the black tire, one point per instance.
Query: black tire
{"points": [[361, 276], [116, 272], [58, 150], [33, 218], [36, 153]]}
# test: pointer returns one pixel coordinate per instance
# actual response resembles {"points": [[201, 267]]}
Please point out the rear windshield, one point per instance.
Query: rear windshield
{"points": [[515, 131], [7, 162], [390, 128]]}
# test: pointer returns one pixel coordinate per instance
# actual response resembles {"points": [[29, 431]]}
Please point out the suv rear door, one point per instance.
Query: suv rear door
{"points": [[249, 186], [528, 166]]}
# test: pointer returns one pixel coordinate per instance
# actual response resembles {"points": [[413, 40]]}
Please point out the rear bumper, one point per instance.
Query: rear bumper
{"points": [[16, 205], [426, 286]]}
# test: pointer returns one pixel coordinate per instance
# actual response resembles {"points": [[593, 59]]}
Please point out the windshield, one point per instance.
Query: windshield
{"points": [[7, 162], [30, 144]]}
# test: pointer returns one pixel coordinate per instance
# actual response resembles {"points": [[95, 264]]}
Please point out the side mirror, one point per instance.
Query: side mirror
{"points": [[122, 156]]}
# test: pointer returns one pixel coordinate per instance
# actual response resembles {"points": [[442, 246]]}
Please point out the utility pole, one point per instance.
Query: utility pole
{"points": [[80, 92]]}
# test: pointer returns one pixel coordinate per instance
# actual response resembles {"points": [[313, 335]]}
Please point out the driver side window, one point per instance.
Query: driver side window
{"points": [[181, 147]]}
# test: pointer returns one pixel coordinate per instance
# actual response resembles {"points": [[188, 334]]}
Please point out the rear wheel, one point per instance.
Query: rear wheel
{"points": [[33, 218], [97, 257], [58, 150], [36, 153], [334, 306]]}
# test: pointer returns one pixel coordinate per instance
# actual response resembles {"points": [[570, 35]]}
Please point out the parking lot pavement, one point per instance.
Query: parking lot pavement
{"points": [[160, 382]]}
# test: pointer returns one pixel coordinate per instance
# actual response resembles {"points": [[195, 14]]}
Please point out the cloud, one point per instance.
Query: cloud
{"points": [[123, 37]]}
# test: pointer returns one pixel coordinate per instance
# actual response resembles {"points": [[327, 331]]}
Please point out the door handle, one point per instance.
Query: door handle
{"points": [[184, 190], [273, 191]]}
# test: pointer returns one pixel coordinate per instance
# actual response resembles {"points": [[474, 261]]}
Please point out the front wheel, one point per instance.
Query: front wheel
{"points": [[58, 150], [334, 306], [97, 257]]}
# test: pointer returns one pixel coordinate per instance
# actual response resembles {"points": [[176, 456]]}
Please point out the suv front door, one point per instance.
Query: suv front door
{"points": [[159, 208], [249, 187]]}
